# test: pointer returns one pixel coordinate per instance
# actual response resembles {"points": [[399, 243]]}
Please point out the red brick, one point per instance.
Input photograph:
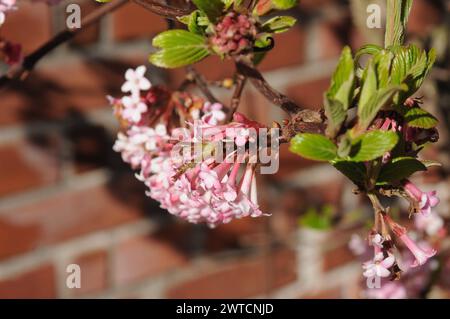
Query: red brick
{"points": [[309, 94], [37, 283], [94, 270], [62, 217], [329, 41], [314, 4], [337, 257], [241, 279], [90, 34], [30, 25], [62, 91], [25, 166], [425, 15], [143, 257], [289, 50], [133, 21]]}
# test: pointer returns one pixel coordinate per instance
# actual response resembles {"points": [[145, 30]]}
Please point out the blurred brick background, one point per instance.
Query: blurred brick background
{"points": [[66, 197]]}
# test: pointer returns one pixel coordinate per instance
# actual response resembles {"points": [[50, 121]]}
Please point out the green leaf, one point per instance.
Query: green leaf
{"points": [[212, 8], [279, 24], [264, 6], [284, 4], [227, 3], [263, 41], [178, 48], [418, 117], [399, 169], [367, 112], [314, 147], [410, 66], [192, 22], [336, 114], [396, 21], [340, 94], [370, 49], [372, 145], [430, 163], [356, 172], [369, 87]]}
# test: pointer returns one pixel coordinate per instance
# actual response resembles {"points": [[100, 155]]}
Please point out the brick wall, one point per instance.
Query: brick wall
{"points": [[66, 197]]}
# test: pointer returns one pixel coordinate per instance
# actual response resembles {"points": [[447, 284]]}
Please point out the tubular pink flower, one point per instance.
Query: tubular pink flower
{"points": [[421, 255], [426, 200]]}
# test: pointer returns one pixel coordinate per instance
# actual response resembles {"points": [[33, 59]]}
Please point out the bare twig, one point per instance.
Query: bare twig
{"points": [[165, 11], [265, 89], [236, 99], [201, 84], [21, 70]]}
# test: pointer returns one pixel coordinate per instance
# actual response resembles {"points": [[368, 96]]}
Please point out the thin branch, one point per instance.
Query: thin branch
{"points": [[266, 90], [21, 70], [165, 11], [236, 99], [201, 83]]}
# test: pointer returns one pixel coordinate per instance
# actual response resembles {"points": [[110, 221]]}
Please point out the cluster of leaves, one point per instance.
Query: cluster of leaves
{"points": [[177, 48], [356, 97]]}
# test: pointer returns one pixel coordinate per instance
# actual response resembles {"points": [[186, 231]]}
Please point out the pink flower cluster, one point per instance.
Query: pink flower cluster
{"points": [[234, 34], [205, 191]]}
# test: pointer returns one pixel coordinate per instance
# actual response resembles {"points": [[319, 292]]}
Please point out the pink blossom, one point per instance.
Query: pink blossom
{"points": [[357, 245], [378, 240], [421, 255], [379, 266], [136, 81], [133, 109], [426, 200], [430, 224], [213, 113]]}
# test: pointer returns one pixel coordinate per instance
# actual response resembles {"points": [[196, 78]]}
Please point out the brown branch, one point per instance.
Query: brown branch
{"points": [[201, 84], [236, 99], [29, 61], [21, 70], [265, 89], [165, 11]]}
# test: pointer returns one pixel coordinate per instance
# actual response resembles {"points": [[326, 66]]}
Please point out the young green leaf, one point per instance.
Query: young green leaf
{"points": [[418, 117], [367, 112], [410, 66], [192, 22], [369, 87], [396, 21], [212, 8], [399, 169], [356, 172], [314, 147], [284, 4], [370, 49], [372, 145], [279, 24], [178, 48], [340, 94]]}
